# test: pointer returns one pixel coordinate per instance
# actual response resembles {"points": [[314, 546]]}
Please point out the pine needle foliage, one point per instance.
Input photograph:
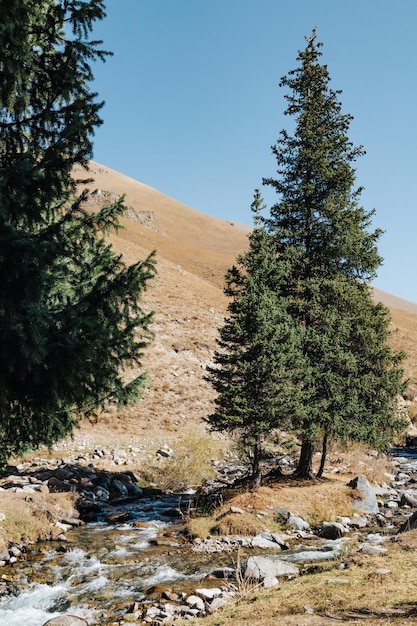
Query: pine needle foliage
{"points": [[252, 364], [305, 347], [70, 315], [351, 377]]}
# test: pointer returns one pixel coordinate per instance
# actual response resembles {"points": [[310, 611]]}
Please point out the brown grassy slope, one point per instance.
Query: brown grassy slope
{"points": [[200, 244], [193, 253]]}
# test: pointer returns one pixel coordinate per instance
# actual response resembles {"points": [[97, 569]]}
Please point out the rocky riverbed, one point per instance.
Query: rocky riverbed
{"points": [[182, 577]]}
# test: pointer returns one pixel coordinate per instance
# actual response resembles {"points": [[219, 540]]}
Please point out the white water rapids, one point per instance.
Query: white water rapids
{"points": [[107, 565]]}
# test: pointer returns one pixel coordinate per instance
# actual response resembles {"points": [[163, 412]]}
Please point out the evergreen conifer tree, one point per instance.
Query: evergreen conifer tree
{"points": [[251, 368], [349, 376], [70, 318]]}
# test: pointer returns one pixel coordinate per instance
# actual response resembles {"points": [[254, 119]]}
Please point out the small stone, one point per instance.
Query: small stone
{"points": [[297, 523], [235, 509], [338, 581], [368, 548], [217, 603], [209, 594], [270, 581], [195, 602]]}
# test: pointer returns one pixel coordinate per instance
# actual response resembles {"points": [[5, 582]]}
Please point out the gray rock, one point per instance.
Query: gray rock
{"points": [[235, 509], [14, 551], [359, 521], [368, 502], [121, 454], [315, 555], [409, 498], [261, 567], [270, 581], [281, 540], [119, 489], [368, 548], [195, 602], [218, 602], [261, 542], [66, 620], [332, 530], [208, 594], [224, 572], [409, 524], [102, 493], [165, 451], [297, 523], [338, 581]]}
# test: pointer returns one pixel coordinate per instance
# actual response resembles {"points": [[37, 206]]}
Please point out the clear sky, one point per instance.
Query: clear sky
{"points": [[193, 106]]}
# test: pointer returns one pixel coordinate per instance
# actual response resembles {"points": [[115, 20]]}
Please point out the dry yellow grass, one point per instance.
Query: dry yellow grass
{"points": [[193, 253], [31, 517], [362, 593], [190, 466]]}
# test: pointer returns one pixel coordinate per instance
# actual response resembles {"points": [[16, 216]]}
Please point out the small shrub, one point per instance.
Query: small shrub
{"points": [[190, 466]]}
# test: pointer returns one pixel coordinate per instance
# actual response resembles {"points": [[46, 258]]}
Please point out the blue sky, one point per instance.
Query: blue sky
{"points": [[193, 106]]}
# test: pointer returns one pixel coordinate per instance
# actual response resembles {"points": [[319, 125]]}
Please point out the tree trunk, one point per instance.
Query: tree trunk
{"points": [[323, 456], [305, 462], [256, 468]]}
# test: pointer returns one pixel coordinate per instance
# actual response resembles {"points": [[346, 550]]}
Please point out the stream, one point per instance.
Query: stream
{"points": [[103, 568]]}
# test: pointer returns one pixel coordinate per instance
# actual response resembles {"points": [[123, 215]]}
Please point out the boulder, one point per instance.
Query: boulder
{"points": [[281, 540], [195, 602], [409, 524], [119, 489], [332, 530], [409, 498], [261, 567], [297, 523], [367, 503], [208, 593], [369, 548]]}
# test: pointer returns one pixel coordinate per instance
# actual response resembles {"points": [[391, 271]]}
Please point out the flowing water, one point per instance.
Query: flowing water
{"points": [[103, 568]]}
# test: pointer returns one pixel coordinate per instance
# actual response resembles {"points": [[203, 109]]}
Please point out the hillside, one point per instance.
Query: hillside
{"points": [[193, 253]]}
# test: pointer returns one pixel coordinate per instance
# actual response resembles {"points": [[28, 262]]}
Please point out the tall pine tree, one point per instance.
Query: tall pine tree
{"points": [[70, 317], [252, 365], [349, 376]]}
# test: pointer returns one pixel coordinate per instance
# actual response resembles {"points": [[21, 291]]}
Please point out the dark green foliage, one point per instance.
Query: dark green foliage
{"points": [[251, 373], [305, 347], [350, 376], [70, 320]]}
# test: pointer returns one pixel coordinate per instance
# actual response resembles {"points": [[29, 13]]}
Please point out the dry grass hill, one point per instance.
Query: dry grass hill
{"points": [[193, 253]]}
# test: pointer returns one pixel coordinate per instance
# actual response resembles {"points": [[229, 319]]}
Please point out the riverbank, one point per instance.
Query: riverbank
{"points": [[40, 493], [348, 581]]}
